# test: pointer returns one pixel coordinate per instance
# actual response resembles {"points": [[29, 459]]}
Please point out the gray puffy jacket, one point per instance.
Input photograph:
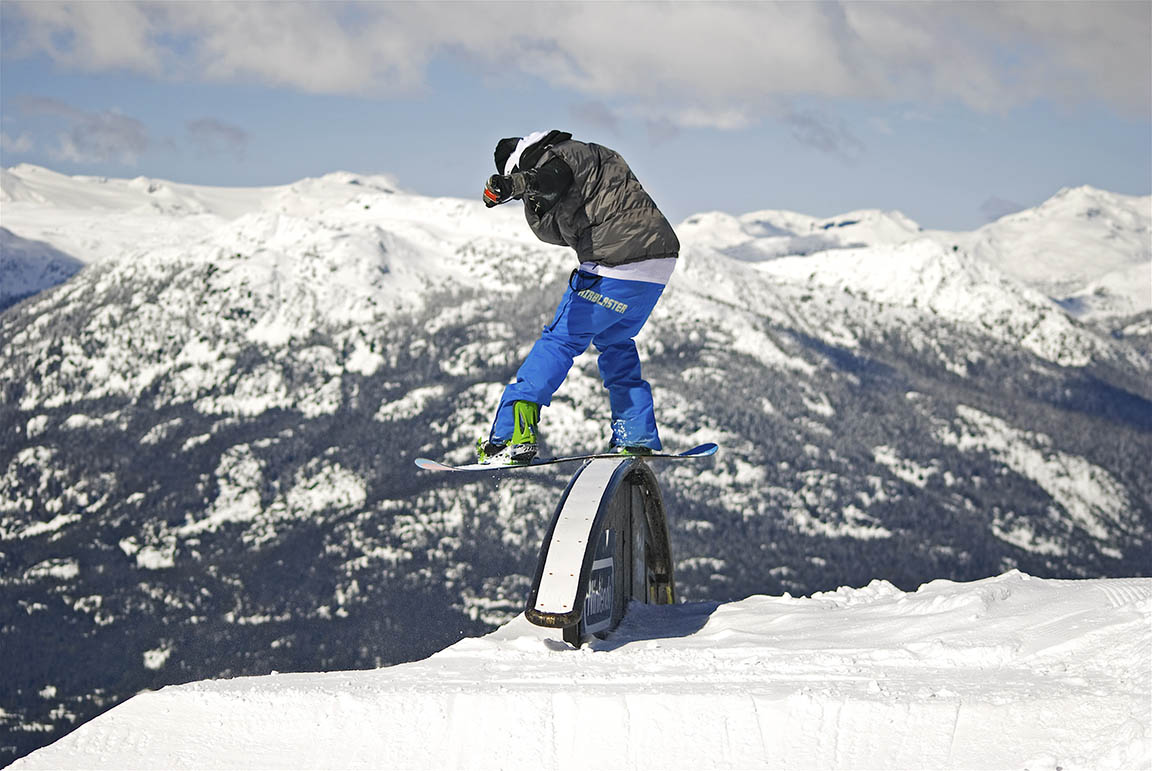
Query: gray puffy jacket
{"points": [[605, 215]]}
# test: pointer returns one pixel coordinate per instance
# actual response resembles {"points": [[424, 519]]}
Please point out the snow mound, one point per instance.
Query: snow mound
{"points": [[1008, 672]]}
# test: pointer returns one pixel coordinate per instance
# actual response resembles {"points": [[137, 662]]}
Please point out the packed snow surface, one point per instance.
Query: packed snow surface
{"points": [[1008, 672]]}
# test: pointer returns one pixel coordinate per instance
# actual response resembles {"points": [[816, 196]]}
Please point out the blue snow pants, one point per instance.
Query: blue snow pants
{"points": [[608, 313]]}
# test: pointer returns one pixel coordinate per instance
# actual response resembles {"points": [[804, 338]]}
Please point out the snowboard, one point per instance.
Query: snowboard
{"points": [[702, 451]]}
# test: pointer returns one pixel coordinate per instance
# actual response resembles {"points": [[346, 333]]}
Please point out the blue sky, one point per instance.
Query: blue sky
{"points": [[950, 112]]}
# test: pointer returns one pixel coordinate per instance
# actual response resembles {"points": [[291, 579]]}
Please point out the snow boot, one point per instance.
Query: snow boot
{"points": [[524, 443]]}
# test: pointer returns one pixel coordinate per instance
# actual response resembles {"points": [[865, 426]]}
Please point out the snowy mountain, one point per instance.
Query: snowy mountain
{"points": [[1087, 248], [207, 432], [768, 234], [28, 267], [1009, 672]]}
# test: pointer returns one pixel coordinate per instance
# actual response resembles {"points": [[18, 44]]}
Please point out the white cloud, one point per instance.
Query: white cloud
{"points": [[881, 126], [87, 36], [319, 48], [92, 137], [213, 137], [661, 130], [722, 65], [595, 114], [18, 144], [828, 135]]}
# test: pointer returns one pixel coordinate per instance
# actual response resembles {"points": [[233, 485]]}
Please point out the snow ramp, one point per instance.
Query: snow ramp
{"points": [[1011, 672]]}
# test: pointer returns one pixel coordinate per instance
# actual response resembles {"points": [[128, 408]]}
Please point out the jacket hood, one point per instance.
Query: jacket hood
{"points": [[515, 153], [531, 151]]}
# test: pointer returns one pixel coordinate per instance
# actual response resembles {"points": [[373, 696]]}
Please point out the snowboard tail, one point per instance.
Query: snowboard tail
{"points": [[701, 451]]}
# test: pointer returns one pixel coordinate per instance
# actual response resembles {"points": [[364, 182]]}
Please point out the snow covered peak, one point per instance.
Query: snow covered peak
{"points": [[381, 182], [1087, 248], [718, 228], [865, 226], [1083, 204], [13, 187], [335, 187], [1087, 194], [770, 234], [950, 285], [97, 219]]}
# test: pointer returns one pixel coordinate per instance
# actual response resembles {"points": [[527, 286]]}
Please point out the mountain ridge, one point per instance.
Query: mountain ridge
{"points": [[754, 236]]}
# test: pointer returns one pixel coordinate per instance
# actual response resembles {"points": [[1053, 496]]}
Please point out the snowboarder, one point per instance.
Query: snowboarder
{"points": [[585, 196]]}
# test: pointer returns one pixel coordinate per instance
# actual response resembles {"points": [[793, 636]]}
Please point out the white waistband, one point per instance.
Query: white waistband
{"points": [[656, 271]]}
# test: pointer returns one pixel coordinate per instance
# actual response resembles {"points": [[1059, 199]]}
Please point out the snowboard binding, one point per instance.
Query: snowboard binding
{"points": [[523, 446]]}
